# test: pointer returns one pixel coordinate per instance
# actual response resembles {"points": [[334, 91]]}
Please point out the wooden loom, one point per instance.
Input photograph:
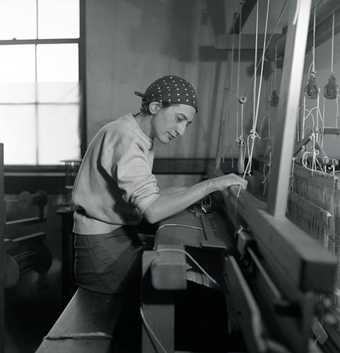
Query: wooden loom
{"points": [[274, 305], [288, 265], [2, 252]]}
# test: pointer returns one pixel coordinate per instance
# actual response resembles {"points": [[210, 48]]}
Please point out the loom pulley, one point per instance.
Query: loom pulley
{"points": [[331, 88], [311, 89]]}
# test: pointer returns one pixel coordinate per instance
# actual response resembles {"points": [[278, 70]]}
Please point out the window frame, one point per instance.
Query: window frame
{"points": [[80, 41]]}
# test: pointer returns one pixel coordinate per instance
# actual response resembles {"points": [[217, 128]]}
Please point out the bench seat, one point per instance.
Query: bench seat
{"points": [[86, 324]]}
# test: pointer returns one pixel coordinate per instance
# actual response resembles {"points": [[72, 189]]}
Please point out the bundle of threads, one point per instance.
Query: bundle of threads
{"points": [[315, 186], [316, 221], [314, 205]]}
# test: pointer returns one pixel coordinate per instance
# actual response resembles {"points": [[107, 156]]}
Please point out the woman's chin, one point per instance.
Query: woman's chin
{"points": [[165, 139]]}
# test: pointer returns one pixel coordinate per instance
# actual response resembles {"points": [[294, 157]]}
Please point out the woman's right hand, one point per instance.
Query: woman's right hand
{"points": [[225, 181]]}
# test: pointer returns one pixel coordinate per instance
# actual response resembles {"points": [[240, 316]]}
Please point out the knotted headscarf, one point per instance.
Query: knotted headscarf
{"points": [[169, 90]]}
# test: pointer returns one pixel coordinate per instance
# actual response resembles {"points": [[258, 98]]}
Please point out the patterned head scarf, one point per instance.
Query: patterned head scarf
{"points": [[169, 90]]}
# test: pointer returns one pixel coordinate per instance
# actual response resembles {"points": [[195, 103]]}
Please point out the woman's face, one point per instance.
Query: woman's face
{"points": [[171, 122]]}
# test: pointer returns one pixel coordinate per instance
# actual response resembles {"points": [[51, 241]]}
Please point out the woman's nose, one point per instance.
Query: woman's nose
{"points": [[181, 129]]}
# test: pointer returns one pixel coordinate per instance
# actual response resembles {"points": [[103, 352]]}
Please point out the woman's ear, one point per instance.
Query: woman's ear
{"points": [[155, 107]]}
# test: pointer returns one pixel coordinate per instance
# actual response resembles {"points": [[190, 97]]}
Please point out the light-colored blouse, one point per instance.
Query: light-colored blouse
{"points": [[115, 184]]}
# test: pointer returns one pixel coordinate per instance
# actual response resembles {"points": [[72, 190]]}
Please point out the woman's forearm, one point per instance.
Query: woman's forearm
{"points": [[170, 203], [173, 190]]}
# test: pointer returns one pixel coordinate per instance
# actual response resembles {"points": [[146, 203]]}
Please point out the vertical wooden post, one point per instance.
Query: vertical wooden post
{"points": [[159, 312], [289, 103], [2, 252]]}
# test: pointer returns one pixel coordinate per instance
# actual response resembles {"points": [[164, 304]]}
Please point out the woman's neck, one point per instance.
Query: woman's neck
{"points": [[144, 122]]}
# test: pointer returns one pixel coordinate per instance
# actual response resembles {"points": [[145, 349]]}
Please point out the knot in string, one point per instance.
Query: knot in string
{"points": [[242, 100], [254, 134], [240, 140]]}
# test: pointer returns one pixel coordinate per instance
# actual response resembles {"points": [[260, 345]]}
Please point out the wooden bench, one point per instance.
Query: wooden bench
{"points": [[86, 325]]}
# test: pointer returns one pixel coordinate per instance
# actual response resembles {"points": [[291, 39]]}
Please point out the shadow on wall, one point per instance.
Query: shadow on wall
{"points": [[170, 24]]}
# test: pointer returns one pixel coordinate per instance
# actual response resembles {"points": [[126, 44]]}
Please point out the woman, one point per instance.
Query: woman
{"points": [[115, 188]]}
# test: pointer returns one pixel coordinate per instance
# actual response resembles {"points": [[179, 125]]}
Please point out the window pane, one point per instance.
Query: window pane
{"points": [[43, 92], [17, 92], [57, 62], [58, 133], [17, 132], [17, 19], [58, 19], [58, 92], [17, 63]]}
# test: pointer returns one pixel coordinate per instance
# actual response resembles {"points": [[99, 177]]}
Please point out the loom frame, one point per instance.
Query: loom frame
{"points": [[276, 235], [297, 264], [2, 252]]}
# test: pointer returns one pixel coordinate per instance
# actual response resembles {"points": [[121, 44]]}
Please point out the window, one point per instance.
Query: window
{"points": [[39, 81]]}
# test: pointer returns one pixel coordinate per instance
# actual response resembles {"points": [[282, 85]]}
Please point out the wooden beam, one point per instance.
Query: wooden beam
{"points": [[244, 308], [2, 252], [158, 308], [295, 261], [86, 324], [323, 30], [38, 41], [210, 53], [239, 21], [82, 79], [331, 131], [288, 107], [52, 179], [225, 41], [325, 10]]}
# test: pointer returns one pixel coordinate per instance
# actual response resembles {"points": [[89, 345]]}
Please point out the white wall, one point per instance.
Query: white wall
{"points": [[129, 43]]}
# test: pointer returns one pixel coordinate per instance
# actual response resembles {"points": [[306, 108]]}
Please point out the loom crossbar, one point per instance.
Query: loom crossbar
{"points": [[295, 260]]}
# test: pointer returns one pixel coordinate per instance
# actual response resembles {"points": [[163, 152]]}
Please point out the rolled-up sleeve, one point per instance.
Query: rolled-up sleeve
{"points": [[134, 177]]}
